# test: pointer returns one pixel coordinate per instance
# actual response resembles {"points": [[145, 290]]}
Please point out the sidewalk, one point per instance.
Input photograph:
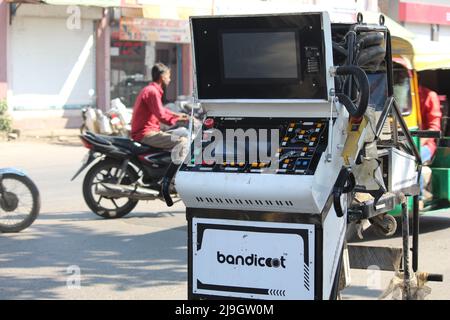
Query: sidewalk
{"points": [[53, 135]]}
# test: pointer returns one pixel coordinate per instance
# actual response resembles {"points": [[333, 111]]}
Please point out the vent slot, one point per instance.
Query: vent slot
{"points": [[245, 202]]}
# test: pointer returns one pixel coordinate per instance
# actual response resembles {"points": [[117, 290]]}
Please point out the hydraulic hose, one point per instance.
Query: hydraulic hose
{"points": [[363, 82], [371, 39], [374, 55], [345, 183]]}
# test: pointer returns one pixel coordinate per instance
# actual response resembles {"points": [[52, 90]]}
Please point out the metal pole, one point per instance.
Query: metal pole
{"points": [[405, 238], [415, 236]]}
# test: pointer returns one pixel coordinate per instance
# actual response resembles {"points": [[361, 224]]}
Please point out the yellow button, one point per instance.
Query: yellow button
{"points": [[305, 149], [286, 139], [232, 164], [261, 165], [319, 125], [292, 125], [279, 150], [313, 139], [255, 164], [224, 163], [286, 161], [241, 164], [302, 132]]}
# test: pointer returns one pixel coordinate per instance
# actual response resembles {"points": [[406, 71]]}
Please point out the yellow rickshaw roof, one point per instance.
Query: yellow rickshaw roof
{"points": [[429, 55]]}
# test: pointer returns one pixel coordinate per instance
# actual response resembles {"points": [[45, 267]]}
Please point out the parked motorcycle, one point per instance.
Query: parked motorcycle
{"points": [[113, 122], [117, 120], [19, 200]]}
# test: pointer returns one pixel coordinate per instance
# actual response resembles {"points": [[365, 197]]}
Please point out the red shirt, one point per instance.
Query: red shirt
{"points": [[430, 109], [149, 111]]}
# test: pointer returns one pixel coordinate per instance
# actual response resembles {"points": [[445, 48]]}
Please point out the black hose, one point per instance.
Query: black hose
{"points": [[165, 186], [345, 183], [363, 82], [371, 55], [371, 39], [338, 48]]}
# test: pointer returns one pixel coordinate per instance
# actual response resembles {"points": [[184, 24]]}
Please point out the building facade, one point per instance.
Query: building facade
{"points": [[57, 57], [427, 19]]}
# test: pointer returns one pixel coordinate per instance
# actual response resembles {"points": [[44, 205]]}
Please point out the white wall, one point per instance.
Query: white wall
{"points": [[51, 65], [423, 31], [444, 34]]}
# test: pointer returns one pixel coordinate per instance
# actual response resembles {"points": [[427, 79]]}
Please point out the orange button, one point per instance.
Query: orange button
{"points": [[254, 164], [241, 164], [292, 125], [262, 165], [286, 139], [319, 125], [313, 139], [286, 161], [305, 149]]}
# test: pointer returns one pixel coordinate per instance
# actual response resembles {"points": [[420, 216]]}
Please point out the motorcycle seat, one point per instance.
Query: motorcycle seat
{"points": [[125, 143], [134, 146]]}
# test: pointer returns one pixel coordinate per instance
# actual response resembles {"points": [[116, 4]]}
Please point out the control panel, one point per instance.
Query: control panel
{"points": [[298, 149]]}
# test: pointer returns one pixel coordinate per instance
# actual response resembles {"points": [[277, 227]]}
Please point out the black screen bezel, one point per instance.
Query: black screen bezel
{"points": [[210, 84]]}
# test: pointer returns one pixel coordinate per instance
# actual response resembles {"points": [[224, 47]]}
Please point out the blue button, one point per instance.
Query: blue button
{"points": [[305, 163]]}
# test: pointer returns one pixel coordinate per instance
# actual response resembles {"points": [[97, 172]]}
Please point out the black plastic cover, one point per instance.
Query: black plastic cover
{"points": [[260, 57]]}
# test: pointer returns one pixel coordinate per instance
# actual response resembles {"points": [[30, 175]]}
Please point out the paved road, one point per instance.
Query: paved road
{"points": [[142, 256]]}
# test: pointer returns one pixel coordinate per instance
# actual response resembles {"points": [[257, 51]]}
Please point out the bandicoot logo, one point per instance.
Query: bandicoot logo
{"points": [[251, 260]]}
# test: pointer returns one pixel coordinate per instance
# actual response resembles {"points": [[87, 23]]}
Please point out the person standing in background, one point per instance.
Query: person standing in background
{"points": [[430, 109]]}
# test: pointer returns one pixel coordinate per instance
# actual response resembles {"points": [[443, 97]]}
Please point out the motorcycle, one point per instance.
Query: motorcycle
{"points": [[125, 172], [19, 200]]}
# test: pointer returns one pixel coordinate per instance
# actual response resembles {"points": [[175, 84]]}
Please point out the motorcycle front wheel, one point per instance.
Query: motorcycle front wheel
{"points": [[108, 171], [20, 202]]}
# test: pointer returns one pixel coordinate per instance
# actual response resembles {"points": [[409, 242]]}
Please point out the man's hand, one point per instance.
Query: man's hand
{"points": [[423, 141], [183, 119]]}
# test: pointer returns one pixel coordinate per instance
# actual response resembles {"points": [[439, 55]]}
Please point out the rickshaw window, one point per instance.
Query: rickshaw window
{"points": [[402, 89], [378, 90]]}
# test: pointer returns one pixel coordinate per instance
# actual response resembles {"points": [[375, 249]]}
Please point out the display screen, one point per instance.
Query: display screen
{"points": [[260, 55]]}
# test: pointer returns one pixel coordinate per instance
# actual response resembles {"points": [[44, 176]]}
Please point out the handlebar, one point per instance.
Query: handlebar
{"points": [[165, 186], [426, 134], [345, 183], [363, 81]]}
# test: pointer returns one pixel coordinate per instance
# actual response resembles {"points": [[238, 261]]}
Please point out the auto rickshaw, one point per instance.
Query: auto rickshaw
{"points": [[431, 67], [428, 62]]}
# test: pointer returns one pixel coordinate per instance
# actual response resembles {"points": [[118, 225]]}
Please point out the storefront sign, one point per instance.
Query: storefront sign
{"points": [[157, 30], [424, 13], [128, 48]]}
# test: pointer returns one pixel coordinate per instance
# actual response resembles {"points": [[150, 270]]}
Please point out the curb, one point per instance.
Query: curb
{"points": [[71, 137]]}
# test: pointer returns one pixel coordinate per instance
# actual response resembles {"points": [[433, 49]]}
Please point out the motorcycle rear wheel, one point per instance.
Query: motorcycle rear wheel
{"points": [[107, 168], [14, 201]]}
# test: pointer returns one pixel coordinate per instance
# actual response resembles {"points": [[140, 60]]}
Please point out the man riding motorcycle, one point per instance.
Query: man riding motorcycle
{"points": [[126, 171], [149, 112]]}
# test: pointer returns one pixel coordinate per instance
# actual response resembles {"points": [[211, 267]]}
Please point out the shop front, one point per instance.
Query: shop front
{"points": [[137, 44]]}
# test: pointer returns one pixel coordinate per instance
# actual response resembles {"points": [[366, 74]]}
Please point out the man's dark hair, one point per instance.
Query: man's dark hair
{"points": [[158, 69]]}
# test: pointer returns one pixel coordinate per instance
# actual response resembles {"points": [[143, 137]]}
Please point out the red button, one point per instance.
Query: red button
{"points": [[209, 123]]}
